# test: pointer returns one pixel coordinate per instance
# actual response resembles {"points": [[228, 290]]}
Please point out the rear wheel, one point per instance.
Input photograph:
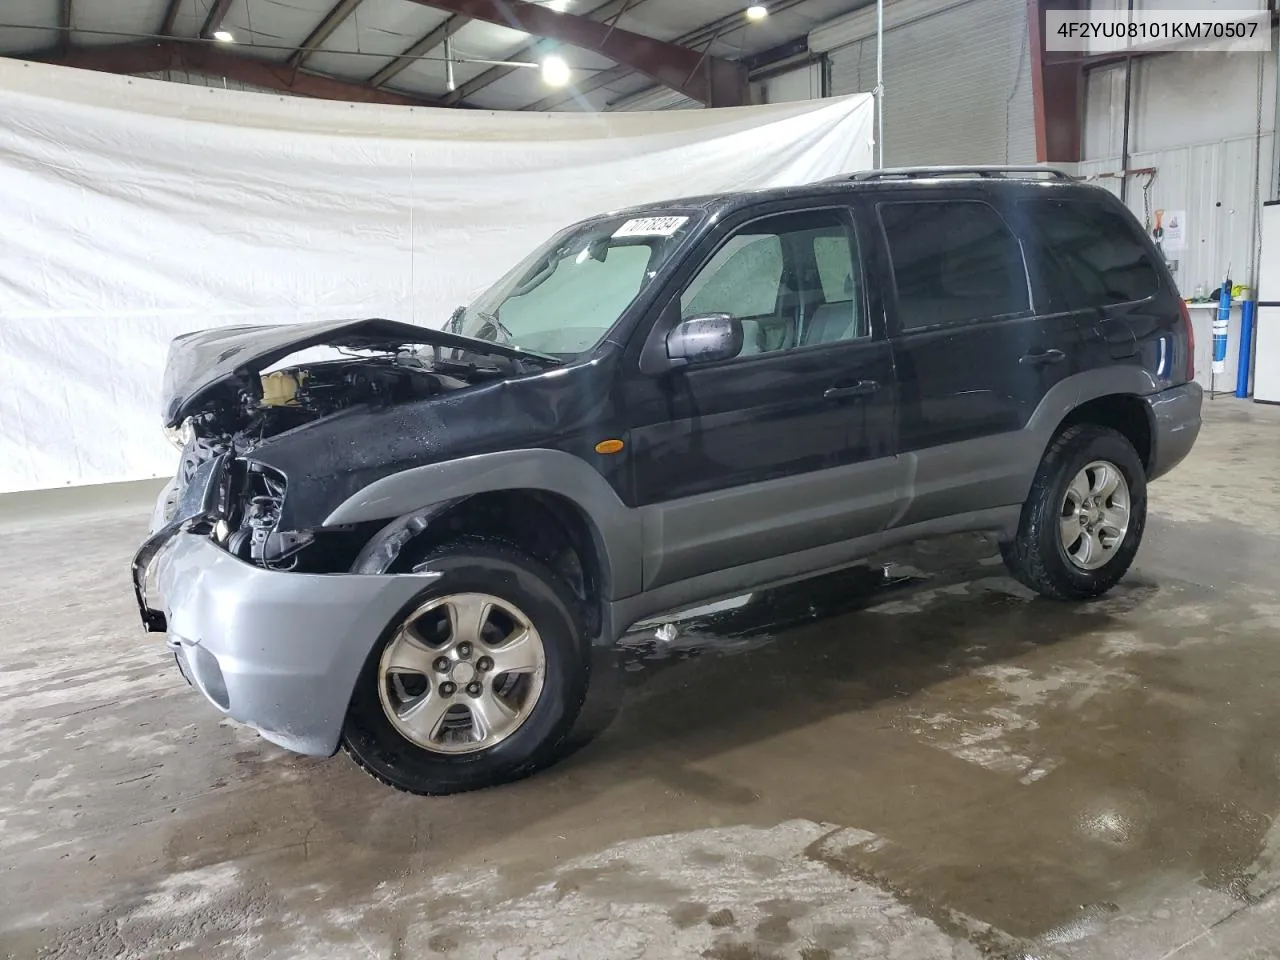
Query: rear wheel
{"points": [[478, 682], [1083, 520]]}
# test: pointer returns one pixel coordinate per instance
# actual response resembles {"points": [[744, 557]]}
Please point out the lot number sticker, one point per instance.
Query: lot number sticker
{"points": [[651, 227]]}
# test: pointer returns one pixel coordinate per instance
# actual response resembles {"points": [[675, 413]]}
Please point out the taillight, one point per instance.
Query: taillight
{"points": [[1191, 339]]}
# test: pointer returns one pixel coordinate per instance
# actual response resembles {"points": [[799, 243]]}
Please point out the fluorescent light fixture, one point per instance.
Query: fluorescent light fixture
{"points": [[559, 6], [757, 12], [555, 72], [223, 36]]}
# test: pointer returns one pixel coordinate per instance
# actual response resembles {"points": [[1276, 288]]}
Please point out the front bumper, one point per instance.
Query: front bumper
{"points": [[276, 650], [202, 498], [1176, 414]]}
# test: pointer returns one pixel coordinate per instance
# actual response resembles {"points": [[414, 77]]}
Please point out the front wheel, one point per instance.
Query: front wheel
{"points": [[1084, 517], [479, 680]]}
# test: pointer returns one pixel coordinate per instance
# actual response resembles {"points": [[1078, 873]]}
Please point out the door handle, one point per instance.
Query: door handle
{"points": [[860, 389], [1043, 357]]}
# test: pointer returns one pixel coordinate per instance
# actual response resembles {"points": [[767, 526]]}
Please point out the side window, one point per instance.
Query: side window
{"points": [[953, 261], [1098, 249], [742, 279], [833, 257], [793, 280]]}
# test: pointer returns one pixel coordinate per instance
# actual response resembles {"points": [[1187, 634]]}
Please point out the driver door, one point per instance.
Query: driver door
{"points": [[789, 445]]}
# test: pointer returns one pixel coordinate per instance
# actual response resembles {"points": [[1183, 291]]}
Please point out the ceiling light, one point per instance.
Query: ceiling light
{"points": [[223, 36], [757, 12], [559, 6], [555, 72]]}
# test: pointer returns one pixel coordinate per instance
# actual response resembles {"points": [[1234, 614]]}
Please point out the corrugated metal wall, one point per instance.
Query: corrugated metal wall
{"points": [[957, 79], [204, 80], [1212, 183], [1200, 120], [659, 98], [803, 83]]}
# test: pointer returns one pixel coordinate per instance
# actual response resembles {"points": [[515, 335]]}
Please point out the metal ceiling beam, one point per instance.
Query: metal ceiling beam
{"points": [[424, 46], [708, 33], [704, 78], [218, 61], [323, 31], [494, 74], [170, 18], [589, 85], [213, 22], [606, 12]]}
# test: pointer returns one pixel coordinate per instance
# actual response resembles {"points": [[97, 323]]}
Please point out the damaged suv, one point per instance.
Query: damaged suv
{"points": [[421, 544]]}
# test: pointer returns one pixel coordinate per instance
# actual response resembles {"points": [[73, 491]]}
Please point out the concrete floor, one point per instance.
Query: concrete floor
{"points": [[929, 766]]}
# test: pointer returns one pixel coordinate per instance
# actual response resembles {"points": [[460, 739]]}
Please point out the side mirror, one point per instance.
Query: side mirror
{"points": [[704, 339]]}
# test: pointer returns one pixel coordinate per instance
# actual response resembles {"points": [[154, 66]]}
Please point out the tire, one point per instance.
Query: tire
{"points": [[1038, 556], [446, 760]]}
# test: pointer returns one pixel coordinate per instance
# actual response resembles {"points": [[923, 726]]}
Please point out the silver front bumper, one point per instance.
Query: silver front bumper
{"points": [[279, 651]]}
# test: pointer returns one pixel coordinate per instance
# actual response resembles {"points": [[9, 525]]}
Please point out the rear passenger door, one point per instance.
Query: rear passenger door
{"points": [[977, 345]]}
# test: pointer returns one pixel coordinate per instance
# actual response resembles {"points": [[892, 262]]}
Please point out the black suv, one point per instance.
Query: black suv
{"points": [[423, 546]]}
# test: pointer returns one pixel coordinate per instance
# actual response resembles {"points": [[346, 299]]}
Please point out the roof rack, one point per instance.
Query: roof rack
{"points": [[929, 173]]}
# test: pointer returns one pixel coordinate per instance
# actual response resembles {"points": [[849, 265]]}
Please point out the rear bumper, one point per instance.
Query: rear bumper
{"points": [[1176, 415], [279, 651]]}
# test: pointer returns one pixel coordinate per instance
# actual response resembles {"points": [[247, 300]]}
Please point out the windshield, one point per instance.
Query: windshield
{"points": [[563, 298]]}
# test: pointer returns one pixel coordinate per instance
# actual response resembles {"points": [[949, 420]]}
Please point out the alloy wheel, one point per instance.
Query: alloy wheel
{"points": [[462, 673], [1094, 519]]}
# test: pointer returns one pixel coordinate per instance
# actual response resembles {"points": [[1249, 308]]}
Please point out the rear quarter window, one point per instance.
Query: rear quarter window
{"points": [[1097, 250]]}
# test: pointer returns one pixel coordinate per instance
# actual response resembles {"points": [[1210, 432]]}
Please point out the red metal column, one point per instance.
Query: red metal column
{"points": [[1058, 91]]}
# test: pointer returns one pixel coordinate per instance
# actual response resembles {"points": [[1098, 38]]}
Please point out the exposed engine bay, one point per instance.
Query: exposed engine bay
{"points": [[250, 410], [229, 391], [247, 412]]}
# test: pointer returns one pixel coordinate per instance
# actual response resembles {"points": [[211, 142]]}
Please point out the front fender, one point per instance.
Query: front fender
{"points": [[615, 525]]}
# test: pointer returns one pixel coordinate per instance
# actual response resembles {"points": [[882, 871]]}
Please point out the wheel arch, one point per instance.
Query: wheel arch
{"points": [[1108, 396], [1127, 414], [536, 491]]}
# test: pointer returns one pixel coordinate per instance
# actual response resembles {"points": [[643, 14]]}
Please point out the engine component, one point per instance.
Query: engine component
{"points": [[256, 537], [280, 389]]}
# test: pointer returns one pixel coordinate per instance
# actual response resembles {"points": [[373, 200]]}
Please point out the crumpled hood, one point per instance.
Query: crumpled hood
{"points": [[200, 362]]}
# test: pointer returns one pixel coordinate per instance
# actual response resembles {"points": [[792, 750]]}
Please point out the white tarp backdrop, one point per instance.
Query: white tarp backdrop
{"points": [[133, 210]]}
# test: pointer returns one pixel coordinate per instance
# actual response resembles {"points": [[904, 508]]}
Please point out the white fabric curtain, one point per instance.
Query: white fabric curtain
{"points": [[133, 210]]}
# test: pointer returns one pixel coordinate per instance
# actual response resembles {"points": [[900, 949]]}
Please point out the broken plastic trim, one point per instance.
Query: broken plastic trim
{"points": [[203, 499], [384, 547]]}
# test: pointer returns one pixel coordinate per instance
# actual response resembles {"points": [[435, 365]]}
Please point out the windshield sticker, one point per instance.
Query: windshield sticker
{"points": [[651, 227]]}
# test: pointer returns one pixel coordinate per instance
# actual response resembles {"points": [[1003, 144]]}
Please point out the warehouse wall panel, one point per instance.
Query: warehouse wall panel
{"points": [[803, 83], [656, 98], [1204, 124], [1214, 184], [957, 78], [206, 80]]}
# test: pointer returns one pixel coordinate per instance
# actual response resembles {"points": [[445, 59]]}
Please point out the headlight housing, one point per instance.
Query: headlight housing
{"points": [[181, 435]]}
